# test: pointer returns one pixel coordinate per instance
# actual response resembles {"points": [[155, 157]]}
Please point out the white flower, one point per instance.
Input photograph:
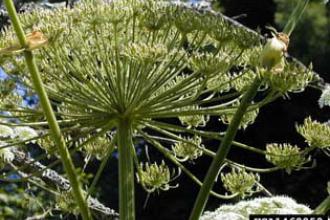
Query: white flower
{"points": [[6, 132], [6, 155], [266, 205], [325, 97], [222, 216], [25, 133]]}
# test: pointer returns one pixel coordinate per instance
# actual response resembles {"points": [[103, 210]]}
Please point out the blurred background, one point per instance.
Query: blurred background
{"points": [[310, 43]]}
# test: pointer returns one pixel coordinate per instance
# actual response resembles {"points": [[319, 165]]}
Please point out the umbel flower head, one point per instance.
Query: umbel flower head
{"points": [[188, 149], [240, 182], [148, 64], [155, 177], [66, 202], [285, 156], [262, 206], [316, 134]]}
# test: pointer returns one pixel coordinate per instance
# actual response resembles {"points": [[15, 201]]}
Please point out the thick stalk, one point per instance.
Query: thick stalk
{"points": [[324, 207], [49, 113], [223, 151], [126, 171]]}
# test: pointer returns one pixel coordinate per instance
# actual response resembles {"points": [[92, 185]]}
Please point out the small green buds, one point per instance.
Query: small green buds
{"points": [[243, 81], [273, 52], [241, 182], [154, 177], [210, 64], [248, 118], [285, 156], [186, 21], [66, 202], [193, 120], [97, 148], [47, 144], [189, 149], [316, 134], [293, 78], [219, 83], [153, 18], [147, 53]]}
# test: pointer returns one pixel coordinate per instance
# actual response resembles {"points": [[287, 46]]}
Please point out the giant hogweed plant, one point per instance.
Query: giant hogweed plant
{"points": [[110, 73]]}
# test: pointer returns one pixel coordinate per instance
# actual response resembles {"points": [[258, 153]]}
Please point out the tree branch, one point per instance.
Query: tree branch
{"points": [[55, 180]]}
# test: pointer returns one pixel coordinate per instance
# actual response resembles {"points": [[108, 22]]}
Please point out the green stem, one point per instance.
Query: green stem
{"points": [[126, 171], [223, 151], [324, 207], [48, 111], [295, 16]]}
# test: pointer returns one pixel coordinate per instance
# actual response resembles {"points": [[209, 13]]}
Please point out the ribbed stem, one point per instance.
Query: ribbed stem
{"points": [[126, 171], [223, 151], [51, 119], [324, 207]]}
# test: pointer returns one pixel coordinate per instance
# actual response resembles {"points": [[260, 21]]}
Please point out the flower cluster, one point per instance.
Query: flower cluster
{"points": [[248, 118], [155, 177], [285, 156], [263, 206], [316, 134], [188, 149], [240, 182], [66, 202]]}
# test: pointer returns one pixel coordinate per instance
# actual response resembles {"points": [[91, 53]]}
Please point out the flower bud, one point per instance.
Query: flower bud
{"points": [[272, 54]]}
